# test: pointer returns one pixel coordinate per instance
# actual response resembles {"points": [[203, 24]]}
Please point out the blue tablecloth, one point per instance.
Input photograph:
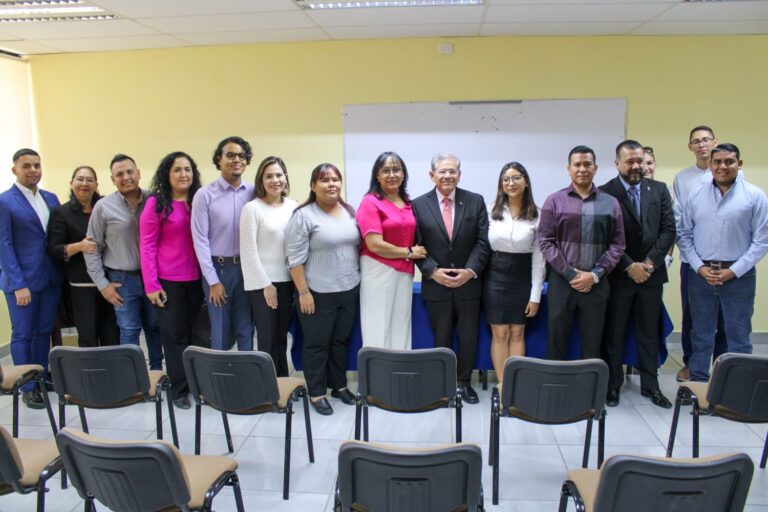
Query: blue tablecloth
{"points": [[535, 336]]}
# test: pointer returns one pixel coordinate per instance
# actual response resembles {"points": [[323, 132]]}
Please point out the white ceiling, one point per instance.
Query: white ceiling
{"points": [[145, 24]]}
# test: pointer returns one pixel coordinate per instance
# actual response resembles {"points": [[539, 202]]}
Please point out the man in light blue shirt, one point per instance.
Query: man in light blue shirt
{"points": [[723, 234]]}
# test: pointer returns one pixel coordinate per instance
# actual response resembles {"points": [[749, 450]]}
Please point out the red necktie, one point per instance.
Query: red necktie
{"points": [[447, 217]]}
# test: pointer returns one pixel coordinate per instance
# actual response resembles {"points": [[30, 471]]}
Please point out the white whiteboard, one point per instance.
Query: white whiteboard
{"points": [[484, 135]]}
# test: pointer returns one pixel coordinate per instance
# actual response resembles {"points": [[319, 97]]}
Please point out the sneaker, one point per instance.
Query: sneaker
{"points": [[684, 375]]}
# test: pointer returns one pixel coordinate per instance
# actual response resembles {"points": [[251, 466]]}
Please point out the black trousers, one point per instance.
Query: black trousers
{"points": [[565, 304], [644, 304], [326, 333], [465, 315], [272, 324], [177, 321], [94, 318]]}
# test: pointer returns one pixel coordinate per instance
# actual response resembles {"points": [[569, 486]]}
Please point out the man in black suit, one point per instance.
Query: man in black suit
{"points": [[452, 224], [637, 281]]}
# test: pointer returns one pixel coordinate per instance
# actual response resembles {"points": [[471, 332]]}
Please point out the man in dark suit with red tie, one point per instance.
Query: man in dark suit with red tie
{"points": [[30, 278], [637, 281], [452, 224]]}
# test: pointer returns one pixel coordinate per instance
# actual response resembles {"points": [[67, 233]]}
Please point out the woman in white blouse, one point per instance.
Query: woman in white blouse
{"points": [[262, 252], [515, 272]]}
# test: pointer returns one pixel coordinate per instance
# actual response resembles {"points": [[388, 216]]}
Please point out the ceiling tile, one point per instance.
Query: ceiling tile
{"points": [[224, 22], [711, 11], [26, 48], [107, 44], [569, 13], [396, 16], [158, 8], [8, 37], [76, 29], [557, 2], [711, 28], [401, 31], [559, 29], [254, 36]]}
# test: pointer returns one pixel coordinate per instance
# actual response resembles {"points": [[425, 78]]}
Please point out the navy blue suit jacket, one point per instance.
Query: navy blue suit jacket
{"points": [[24, 258]]}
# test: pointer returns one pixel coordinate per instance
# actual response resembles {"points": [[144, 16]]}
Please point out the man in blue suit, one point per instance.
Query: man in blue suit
{"points": [[30, 279]]}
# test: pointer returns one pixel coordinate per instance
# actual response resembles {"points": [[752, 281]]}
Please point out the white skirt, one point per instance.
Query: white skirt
{"points": [[385, 305]]}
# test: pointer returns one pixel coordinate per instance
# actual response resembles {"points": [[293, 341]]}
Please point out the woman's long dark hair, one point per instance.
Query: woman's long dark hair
{"points": [[318, 173], [96, 195], [375, 187], [161, 184], [530, 210]]}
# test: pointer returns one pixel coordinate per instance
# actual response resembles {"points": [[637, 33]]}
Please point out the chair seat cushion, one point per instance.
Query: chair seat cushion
{"points": [[699, 389], [286, 386], [586, 481], [202, 471], [12, 373], [154, 378], [35, 455]]}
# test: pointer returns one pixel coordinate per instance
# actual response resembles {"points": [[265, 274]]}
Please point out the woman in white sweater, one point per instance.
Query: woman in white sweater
{"points": [[262, 252]]}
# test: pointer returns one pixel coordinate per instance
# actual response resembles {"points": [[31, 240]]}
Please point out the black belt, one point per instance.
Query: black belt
{"points": [[221, 260], [126, 272], [721, 264]]}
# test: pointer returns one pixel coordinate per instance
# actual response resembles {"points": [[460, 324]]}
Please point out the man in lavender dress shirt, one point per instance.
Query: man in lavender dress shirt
{"points": [[216, 234], [581, 235]]}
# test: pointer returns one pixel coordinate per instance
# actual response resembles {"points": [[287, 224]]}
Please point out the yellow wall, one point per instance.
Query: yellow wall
{"points": [[287, 99]]}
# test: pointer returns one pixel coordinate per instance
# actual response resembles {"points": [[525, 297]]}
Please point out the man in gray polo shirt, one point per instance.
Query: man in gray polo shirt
{"points": [[116, 267]]}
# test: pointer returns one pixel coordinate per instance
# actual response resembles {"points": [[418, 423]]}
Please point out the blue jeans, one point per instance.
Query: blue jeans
{"points": [[31, 327], [737, 300], [135, 313], [721, 344], [233, 319]]}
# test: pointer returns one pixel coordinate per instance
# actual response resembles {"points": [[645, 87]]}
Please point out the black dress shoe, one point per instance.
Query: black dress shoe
{"points": [[657, 398], [182, 402], [33, 400], [468, 394], [612, 398], [344, 395], [323, 407]]}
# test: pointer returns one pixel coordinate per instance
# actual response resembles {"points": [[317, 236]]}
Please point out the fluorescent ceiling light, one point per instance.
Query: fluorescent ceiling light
{"points": [[320, 4], [15, 11]]}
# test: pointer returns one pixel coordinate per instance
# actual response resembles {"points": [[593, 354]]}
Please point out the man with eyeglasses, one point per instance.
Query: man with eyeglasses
{"points": [[723, 235], [30, 278], [216, 234], [581, 235], [701, 141], [452, 225], [116, 267]]}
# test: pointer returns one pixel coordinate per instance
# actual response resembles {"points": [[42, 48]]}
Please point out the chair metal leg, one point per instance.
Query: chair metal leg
{"points": [[495, 450], [696, 413], [287, 459], [601, 440], [235, 483], [16, 391], [587, 444], [564, 495], [358, 413], [171, 415], [365, 422], [41, 497], [198, 419], [308, 425], [765, 453], [83, 421], [159, 417], [62, 421], [226, 432], [675, 417], [494, 407], [458, 420], [47, 400]]}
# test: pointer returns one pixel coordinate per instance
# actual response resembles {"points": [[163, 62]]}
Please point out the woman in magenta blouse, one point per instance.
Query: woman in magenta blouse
{"points": [[168, 263], [387, 226]]}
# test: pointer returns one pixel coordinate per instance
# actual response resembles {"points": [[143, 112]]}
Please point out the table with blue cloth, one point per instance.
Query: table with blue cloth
{"points": [[535, 336]]}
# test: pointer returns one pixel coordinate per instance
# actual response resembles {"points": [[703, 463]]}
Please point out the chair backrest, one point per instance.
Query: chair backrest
{"points": [[11, 464], [554, 392], [407, 380], [739, 386], [231, 381], [99, 375], [712, 484], [124, 476], [376, 478]]}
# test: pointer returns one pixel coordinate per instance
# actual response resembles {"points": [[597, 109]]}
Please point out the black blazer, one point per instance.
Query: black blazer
{"points": [[649, 237], [468, 247], [68, 224]]}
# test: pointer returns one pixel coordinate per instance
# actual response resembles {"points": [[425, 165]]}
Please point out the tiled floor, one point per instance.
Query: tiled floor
{"points": [[534, 459]]}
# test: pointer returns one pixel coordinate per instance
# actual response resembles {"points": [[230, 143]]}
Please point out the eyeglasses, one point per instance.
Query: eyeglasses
{"points": [[82, 180], [516, 179], [391, 171], [703, 140], [235, 156]]}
